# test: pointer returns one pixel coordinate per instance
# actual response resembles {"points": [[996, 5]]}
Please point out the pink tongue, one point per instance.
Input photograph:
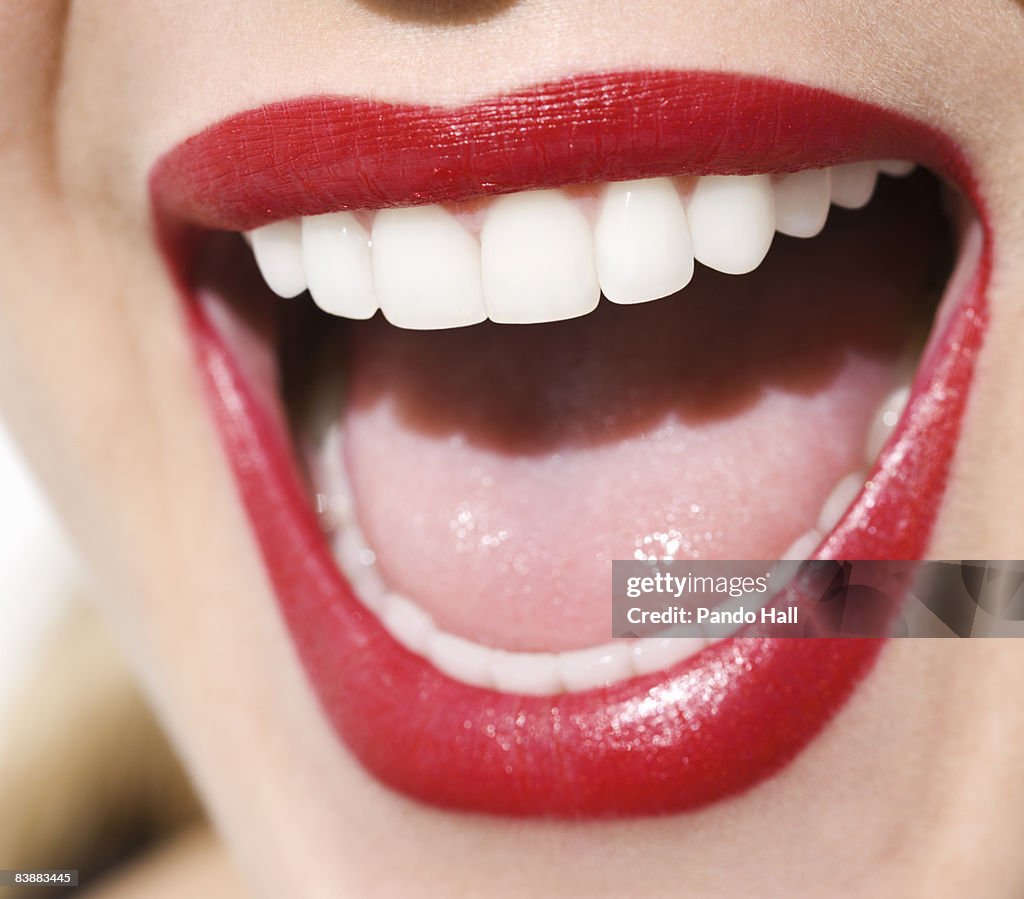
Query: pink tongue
{"points": [[498, 469]]}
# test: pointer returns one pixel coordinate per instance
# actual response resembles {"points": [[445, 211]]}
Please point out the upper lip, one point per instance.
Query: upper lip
{"points": [[717, 723], [324, 154]]}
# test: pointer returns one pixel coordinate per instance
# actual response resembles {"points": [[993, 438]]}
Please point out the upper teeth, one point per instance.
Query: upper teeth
{"points": [[545, 255]]}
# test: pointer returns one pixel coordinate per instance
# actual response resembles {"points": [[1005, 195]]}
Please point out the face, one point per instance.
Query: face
{"points": [[361, 564]]}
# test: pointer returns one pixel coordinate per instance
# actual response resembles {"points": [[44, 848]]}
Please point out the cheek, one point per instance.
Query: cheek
{"points": [[94, 381], [982, 518]]}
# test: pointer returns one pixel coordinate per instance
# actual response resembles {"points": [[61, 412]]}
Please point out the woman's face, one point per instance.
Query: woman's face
{"points": [[468, 451]]}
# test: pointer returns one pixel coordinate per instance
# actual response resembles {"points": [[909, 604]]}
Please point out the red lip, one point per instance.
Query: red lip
{"points": [[717, 723]]}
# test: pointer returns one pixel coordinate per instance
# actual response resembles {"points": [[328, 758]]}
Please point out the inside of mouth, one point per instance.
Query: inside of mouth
{"points": [[494, 471]]}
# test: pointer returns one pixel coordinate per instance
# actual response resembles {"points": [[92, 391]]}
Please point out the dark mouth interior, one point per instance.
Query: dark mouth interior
{"points": [[867, 288]]}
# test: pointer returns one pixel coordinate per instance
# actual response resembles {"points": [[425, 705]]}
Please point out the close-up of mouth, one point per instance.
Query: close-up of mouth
{"points": [[462, 358]]}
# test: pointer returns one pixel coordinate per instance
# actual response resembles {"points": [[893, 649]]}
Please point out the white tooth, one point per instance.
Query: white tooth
{"points": [[278, 251], [801, 202], [853, 184], [747, 602], [884, 422], [732, 221], [353, 553], [336, 254], [538, 259], [844, 493], [461, 659], [426, 268], [338, 499], [584, 669], [651, 654], [897, 168], [408, 624], [803, 547], [358, 562], [734, 604], [533, 673], [684, 632], [369, 589], [642, 241]]}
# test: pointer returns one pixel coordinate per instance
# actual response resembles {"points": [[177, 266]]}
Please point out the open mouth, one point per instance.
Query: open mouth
{"points": [[558, 328]]}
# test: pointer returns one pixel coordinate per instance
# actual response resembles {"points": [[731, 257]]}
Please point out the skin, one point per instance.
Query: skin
{"points": [[97, 381]]}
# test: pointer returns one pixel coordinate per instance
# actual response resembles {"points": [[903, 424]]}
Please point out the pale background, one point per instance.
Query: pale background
{"points": [[36, 568]]}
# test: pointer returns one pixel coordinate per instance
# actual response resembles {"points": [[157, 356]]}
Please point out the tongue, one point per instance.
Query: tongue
{"points": [[498, 469]]}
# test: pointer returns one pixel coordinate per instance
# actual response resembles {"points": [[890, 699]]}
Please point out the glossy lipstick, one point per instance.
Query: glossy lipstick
{"points": [[718, 722]]}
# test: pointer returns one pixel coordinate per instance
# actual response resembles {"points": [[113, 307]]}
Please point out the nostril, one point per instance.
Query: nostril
{"points": [[439, 12]]}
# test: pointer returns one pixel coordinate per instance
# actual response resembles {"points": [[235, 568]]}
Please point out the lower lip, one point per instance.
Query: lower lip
{"points": [[710, 727]]}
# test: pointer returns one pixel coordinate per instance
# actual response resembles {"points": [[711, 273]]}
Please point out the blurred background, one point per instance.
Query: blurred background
{"points": [[36, 568], [87, 778]]}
